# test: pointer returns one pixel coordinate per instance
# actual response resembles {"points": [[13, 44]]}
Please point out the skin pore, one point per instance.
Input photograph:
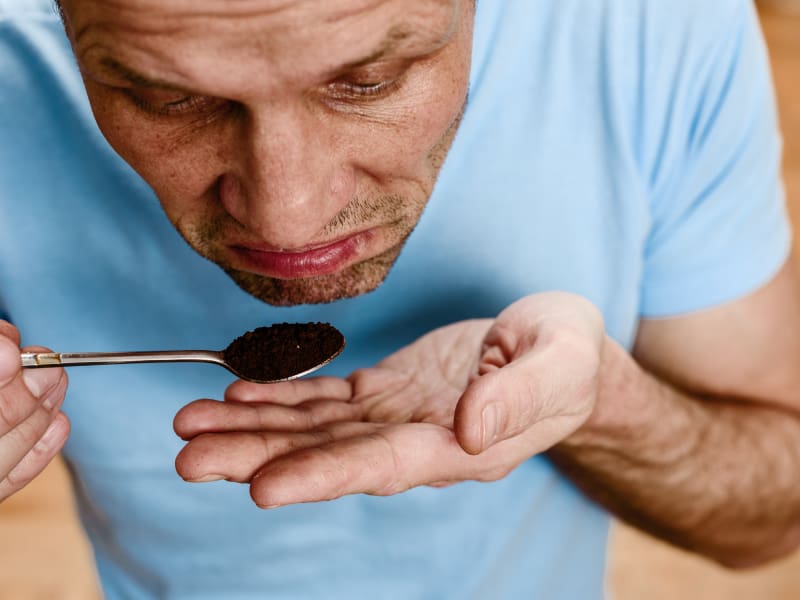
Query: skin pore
{"points": [[295, 143]]}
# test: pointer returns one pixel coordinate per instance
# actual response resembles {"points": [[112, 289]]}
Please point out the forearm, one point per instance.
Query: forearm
{"points": [[716, 476]]}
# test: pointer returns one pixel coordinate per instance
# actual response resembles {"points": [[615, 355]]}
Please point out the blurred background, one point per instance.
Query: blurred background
{"points": [[44, 556]]}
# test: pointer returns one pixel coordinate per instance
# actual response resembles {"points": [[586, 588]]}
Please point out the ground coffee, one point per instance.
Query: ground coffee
{"points": [[283, 350]]}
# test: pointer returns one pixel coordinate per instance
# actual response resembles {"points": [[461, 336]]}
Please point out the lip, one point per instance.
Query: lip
{"points": [[312, 261]]}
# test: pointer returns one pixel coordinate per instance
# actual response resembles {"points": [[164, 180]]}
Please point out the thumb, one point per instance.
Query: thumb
{"points": [[9, 352], [498, 405]]}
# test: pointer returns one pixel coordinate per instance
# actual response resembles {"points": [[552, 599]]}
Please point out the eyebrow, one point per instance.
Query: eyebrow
{"points": [[117, 68], [395, 36]]}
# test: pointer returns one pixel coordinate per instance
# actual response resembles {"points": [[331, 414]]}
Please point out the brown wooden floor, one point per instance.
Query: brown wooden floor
{"points": [[43, 555]]}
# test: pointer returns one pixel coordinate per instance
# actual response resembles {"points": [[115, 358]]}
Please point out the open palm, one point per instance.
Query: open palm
{"points": [[463, 402]]}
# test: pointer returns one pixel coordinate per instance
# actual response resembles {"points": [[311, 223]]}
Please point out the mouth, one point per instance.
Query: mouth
{"points": [[311, 261]]}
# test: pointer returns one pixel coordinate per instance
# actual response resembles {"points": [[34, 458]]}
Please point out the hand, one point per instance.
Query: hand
{"points": [[469, 401], [32, 427]]}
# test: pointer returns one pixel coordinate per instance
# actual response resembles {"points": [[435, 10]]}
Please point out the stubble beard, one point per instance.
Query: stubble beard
{"points": [[356, 280], [395, 214]]}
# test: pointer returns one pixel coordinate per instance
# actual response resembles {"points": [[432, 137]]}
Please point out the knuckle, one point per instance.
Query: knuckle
{"points": [[27, 433], [274, 446], [267, 416], [527, 406], [7, 489], [389, 484], [390, 480], [17, 479], [15, 407], [495, 473], [7, 330], [9, 415], [311, 414]]}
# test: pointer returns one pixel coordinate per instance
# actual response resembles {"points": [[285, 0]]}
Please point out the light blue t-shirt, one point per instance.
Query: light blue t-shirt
{"points": [[625, 150]]}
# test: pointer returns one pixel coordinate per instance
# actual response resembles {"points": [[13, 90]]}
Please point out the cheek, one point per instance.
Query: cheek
{"points": [[417, 132], [179, 171], [408, 144]]}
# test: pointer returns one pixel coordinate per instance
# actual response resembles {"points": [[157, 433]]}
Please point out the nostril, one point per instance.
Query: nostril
{"points": [[229, 192], [285, 207]]}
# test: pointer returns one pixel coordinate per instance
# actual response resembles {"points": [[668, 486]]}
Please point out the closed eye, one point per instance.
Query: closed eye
{"points": [[343, 88], [170, 102]]}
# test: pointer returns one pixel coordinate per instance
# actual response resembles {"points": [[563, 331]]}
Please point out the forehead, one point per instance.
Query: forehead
{"points": [[154, 15], [184, 39]]}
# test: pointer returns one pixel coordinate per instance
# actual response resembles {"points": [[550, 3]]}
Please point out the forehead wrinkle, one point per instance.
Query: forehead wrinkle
{"points": [[420, 31], [402, 32], [352, 11], [171, 19], [167, 18]]}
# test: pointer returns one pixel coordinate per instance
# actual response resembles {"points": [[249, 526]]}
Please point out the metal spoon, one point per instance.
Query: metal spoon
{"points": [[279, 352]]}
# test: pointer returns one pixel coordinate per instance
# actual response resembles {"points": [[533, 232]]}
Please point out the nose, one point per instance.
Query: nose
{"points": [[289, 178]]}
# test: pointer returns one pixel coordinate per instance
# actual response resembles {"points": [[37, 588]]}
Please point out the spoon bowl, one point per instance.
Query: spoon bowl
{"points": [[280, 352]]}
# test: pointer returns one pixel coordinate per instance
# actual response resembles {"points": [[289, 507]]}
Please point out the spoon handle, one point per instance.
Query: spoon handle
{"points": [[58, 359]]}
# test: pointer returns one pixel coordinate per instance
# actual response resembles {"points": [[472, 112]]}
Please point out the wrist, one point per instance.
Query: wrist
{"points": [[630, 405]]}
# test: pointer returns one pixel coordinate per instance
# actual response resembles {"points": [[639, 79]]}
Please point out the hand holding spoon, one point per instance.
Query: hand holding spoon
{"points": [[279, 352]]}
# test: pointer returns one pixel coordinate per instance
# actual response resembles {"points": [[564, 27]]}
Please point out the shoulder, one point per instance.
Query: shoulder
{"points": [[700, 18], [683, 29]]}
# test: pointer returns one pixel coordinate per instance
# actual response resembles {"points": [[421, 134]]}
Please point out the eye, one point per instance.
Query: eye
{"points": [[170, 102], [370, 82], [344, 88]]}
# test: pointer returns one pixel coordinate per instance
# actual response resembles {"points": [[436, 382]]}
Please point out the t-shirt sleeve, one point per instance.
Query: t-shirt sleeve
{"points": [[719, 228]]}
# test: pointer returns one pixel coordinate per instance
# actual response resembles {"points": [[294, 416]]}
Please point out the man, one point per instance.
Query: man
{"points": [[597, 298]]}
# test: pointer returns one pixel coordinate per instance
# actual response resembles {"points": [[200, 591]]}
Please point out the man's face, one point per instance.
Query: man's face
{"points": [[293, 142]]}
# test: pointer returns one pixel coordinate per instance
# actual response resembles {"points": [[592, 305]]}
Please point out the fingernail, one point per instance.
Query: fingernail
{"points": [[39, 381], [208, 478], [490, 417]]}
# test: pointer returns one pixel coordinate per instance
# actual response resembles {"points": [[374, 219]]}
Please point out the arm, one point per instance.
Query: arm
{"points": [[699, 443], [32, 427], [712, 469]]}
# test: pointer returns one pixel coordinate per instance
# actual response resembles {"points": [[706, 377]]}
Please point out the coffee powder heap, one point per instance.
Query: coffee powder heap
{"points": [[283, 350]]}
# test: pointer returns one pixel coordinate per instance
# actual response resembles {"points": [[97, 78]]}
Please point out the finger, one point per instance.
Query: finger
{"points": [[38, 457], [27, 391], [205, 416], [553, 379], [9, 353], [41, 381], [385, 461], [496, 406], [442, 484], [290, 392], [7, 330], [17, 442], [238, 456]]}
